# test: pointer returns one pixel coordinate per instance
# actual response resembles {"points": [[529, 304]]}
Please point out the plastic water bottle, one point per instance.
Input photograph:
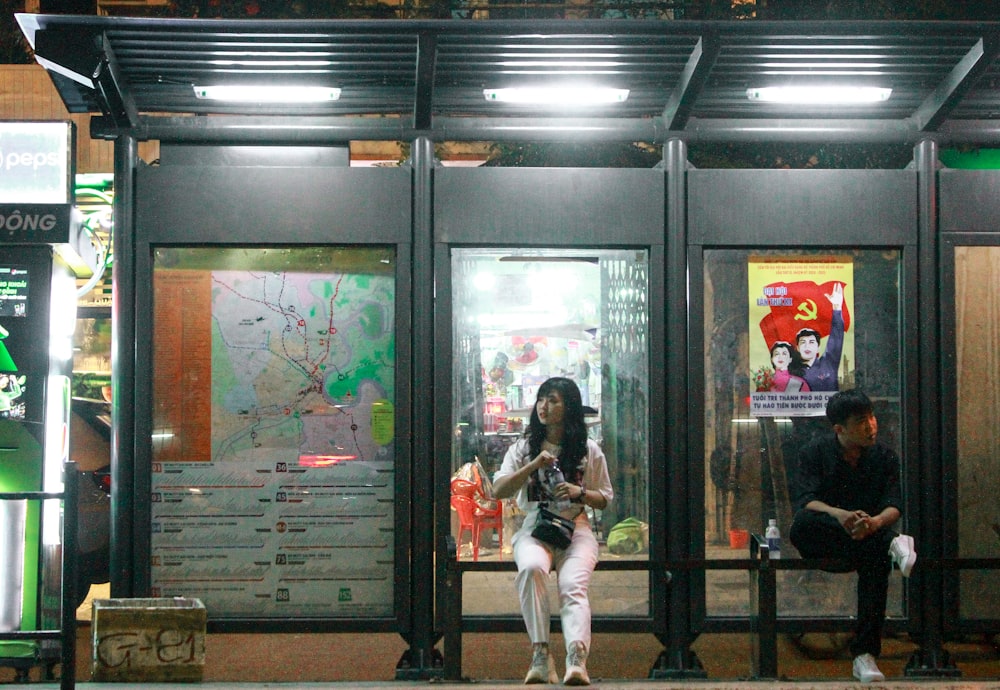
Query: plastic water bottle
{"points": [[773, 536], [556, 477]]}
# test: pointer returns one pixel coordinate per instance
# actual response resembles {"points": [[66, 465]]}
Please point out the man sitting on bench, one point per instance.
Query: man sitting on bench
{"points": [[849, 498]]}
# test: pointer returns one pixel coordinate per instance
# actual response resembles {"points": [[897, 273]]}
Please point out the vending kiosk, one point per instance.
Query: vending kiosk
{"points": [[41, 243]]}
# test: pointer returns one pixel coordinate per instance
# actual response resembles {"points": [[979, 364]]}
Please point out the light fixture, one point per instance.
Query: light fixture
{"points": [[250, 93], [559, 95], [819, 95]]}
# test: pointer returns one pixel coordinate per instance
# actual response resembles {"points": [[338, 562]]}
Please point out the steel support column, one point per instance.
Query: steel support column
{"points": [[422, 660], [931, 660], [677, 660], [123, 339]]}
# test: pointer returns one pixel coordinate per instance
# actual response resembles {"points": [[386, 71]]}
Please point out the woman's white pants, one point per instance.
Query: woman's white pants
{"points": [[574, 567]]}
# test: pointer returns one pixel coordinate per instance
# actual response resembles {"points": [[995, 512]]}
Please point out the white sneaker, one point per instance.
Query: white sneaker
{"points": [[903, 554], [576, 665], [866, 670], [543, 668]]}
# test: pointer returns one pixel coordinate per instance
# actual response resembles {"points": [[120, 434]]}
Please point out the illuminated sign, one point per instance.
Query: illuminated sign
{"points": [[36, 162], [35, 223], [13, 291]]}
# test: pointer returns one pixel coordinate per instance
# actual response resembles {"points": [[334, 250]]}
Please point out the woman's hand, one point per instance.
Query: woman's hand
{"points": [[544, 459], [505, 487], [567, 491]]}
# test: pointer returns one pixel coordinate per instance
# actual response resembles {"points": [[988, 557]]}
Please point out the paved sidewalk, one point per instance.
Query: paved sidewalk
{"points": [[949, 684]]}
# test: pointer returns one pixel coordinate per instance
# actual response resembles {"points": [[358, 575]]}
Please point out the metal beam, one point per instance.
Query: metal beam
{"points": [[116, 102], [930, 115], [65, 51], [323, 130], [424, 97], [326, 130], [693, 79]]}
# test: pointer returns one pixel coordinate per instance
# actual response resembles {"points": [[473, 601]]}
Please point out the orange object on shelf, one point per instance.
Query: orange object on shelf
{"points": [[739, 538]]}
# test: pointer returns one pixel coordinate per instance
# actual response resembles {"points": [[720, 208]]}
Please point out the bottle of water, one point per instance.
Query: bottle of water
{"points": [[773, 536], [556, 477]]}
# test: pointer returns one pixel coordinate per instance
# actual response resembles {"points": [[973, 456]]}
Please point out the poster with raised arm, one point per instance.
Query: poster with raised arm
{"points": [[801, 346]]}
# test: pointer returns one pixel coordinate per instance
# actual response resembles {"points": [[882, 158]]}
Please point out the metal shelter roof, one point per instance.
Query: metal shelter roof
{"points": [[401, 79]]}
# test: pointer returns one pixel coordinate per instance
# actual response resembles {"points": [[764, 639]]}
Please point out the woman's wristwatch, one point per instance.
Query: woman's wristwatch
{"points": [[579, 497]]}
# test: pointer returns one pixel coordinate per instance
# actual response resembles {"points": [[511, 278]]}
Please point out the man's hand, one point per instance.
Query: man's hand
{"points": [[858, 524], [837, 298]]}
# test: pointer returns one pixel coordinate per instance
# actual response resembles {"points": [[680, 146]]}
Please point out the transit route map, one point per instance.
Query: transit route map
{"points": [[293, 512]]}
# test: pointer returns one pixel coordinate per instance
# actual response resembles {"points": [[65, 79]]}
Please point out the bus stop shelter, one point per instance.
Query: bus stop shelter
{"points": [[262, 175]]}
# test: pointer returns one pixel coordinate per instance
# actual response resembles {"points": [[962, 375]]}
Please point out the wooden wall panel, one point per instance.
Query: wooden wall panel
{"points": [[27, 93], [977, 371]]}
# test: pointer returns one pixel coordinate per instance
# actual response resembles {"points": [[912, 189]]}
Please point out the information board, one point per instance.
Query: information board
{"points": [[273, 479]]}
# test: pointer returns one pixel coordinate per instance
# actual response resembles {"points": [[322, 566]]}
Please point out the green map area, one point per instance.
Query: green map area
{"points": [[302, 363]]}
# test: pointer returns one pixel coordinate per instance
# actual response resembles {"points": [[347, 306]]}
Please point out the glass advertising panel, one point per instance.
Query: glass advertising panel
{"points": [[36, 162], [13, 380], [13, 291], [977, 378], [784, 330], [273, 430], [521, 317]]}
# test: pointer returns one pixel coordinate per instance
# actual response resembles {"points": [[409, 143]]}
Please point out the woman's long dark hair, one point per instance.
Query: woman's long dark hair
{"points": [[574, 443]]}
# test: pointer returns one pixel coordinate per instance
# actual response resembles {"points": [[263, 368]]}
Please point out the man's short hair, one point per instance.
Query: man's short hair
{"points": [[807, 331], [846, 404]]}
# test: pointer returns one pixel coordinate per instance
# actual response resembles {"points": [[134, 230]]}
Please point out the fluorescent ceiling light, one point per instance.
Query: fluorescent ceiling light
{"points": [[268, 94], [583, 95], [819, 95]]}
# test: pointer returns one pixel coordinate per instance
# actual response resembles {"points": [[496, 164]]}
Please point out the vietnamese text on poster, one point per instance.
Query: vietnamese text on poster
{"points": [[801, 346]]}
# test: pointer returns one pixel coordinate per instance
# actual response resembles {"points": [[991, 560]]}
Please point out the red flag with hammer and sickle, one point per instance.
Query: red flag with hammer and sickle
{"points": [[798, 305]]}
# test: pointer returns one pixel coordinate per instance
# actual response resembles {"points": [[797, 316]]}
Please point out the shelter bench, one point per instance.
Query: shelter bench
{"points": [[455, 623], [764, 604], [932, 663], [762, 571]]}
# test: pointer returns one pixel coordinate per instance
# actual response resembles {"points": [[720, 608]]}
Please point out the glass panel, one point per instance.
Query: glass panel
{"points": [[758, 411], [92, 359], [612, 593], [273, 450], [520, 317], [977, 319]]}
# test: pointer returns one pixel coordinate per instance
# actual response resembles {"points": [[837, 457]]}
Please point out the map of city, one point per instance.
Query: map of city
{"points": [[276, 499], [302, 366]]}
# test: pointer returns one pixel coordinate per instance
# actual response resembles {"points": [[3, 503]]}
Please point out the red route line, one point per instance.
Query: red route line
{"points": [[210, 486], [287, 314], [329, 328], [204, 579]]}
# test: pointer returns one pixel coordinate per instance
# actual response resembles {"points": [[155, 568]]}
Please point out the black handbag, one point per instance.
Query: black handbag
{"points": [[553, 529]]}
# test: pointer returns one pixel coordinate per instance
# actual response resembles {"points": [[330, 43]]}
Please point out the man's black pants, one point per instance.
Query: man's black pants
{"points": [[819, 535]]}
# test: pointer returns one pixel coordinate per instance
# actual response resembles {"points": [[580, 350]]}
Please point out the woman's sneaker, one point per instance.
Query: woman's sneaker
{"points": [[543, 668], [903, 554], [866, 670], [576, 665]]}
